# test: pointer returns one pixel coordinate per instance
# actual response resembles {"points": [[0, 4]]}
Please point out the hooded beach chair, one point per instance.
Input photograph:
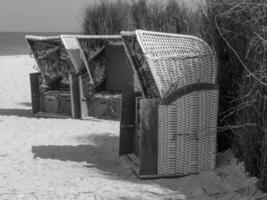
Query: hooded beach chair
{"points": [[109, 73], [169, 127], [55, 88]]}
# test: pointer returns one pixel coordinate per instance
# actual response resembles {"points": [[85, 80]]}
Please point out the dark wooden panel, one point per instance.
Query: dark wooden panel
{"points": [[118, 70], [104, 106], [51, 103], [91, 106], [127, 126], [35, 93], [42, 106], [65, 105], [149, 136], [84, 95], [75, 96], [137, 134]]}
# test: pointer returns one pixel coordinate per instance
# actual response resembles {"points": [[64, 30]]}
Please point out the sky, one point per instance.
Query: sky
{"points": [[41, 15]]}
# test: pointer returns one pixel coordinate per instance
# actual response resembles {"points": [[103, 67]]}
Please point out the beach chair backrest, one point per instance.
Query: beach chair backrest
{"points": [[105, 60], [72, 46], [166, 62], [51, 57]]}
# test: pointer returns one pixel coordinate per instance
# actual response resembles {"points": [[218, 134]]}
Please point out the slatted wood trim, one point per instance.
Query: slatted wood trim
{"points": [[127, 126], [35, 93], [75, 96], [149, 137]]}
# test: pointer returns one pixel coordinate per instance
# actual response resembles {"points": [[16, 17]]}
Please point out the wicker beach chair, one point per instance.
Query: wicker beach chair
{"points": [[54, 88], [109, 75], [170, 130]]}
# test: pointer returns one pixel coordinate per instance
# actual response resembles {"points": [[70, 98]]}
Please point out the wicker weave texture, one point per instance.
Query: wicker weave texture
{"points": [[187, 134], [156, 44], [177, 60]]}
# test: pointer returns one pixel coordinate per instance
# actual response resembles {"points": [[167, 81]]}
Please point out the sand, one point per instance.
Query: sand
{"points": [[78, 159]]}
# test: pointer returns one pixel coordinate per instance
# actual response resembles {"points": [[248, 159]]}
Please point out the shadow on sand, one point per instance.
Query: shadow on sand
{"points": [[101, 153], [28, 104], [16, 112], [28, 114]]}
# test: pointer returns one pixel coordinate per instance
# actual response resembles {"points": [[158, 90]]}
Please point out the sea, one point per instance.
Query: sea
{"points": [[14, 43]]}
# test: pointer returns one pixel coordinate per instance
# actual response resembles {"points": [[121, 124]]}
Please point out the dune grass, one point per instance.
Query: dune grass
{"points": [[242, 33], [111, 17]]}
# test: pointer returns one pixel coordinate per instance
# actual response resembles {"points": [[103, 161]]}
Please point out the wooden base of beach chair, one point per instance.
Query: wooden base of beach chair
{"points": [[105, 106], [55, 102]]}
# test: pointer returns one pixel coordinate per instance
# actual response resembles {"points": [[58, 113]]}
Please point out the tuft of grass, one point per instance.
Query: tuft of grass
{"points": [[105, 17], [111, 17], [239, 29]]}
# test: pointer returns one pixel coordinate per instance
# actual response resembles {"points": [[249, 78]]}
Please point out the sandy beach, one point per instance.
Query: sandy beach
{"points": [[78, 159]]}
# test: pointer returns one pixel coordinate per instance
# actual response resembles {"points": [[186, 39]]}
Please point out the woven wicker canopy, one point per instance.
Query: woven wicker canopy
{"points": [[167, 62]]}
